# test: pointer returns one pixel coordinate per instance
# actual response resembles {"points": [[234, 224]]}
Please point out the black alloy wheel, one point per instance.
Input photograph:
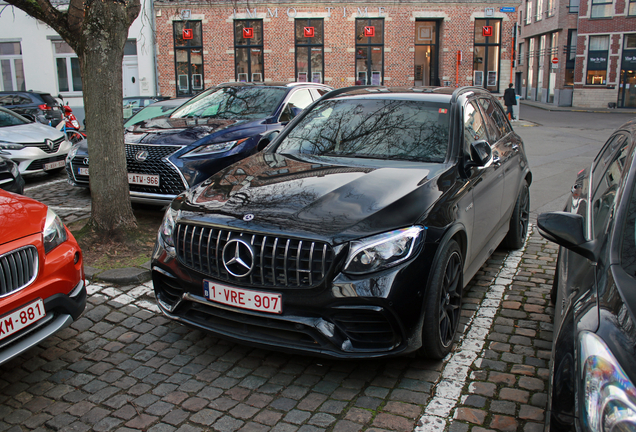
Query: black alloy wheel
{"points": [[443, 303], [519, 220]]}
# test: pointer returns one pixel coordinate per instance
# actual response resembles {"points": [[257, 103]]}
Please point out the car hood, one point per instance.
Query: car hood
{"points": [[334, 201], [29, 133], [181, 131], [19, 216]]}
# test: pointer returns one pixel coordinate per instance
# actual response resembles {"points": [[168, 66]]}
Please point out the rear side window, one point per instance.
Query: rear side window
{"points": [[6, 100], [22, 100]]}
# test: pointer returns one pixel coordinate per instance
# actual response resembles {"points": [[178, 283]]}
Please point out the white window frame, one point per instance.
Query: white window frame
{"points": [[12, 58], [605, 4], [529, 12], [69, 72], [539, 15]]}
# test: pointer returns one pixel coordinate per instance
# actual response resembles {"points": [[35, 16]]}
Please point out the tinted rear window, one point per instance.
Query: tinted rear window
{"points": [[373, 128]]}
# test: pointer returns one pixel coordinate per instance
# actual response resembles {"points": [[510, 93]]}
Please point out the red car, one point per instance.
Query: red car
{"points": [[42, 287]]}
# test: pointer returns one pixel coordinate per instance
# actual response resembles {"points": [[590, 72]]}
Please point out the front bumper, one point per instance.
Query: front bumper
{"points": [[377, 316], [34, 159]]}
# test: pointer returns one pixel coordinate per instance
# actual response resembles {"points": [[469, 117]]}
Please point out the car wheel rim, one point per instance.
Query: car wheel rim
{"points": [[524, 214], [450, 300]]}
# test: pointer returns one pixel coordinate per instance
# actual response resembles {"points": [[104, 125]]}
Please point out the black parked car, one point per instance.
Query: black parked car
{"points": [[165, 155], [10, 178], [40, 106], [355, 232], [592, 369]]}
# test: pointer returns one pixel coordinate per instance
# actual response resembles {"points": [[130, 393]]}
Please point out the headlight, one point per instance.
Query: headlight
{"points": [[4, 145], [383, 250], [609, 397], [166, 230], [73, 152], [213, 148], [54, 233]]}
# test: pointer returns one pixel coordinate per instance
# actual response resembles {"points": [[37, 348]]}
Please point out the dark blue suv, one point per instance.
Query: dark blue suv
{"points": [[166, 155]]}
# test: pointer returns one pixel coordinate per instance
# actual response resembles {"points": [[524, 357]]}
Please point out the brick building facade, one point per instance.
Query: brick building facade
{"points": [[578, 52], [403, 43]]}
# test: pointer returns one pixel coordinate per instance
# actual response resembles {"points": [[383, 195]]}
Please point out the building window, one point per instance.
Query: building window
{"points": [[11, 66], [486, 50], [601, 8], [426, 53], [521, 54], [188, 57], [573, 6], [551, 9], [310, 57], [570, 57], [539, 10], [631, 11], [529, 12], [248, 50], [369, 51], [597, 60], [69, 78]]}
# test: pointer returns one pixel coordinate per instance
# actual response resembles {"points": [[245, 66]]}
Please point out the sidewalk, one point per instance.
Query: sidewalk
{"points": [[551, 107]]}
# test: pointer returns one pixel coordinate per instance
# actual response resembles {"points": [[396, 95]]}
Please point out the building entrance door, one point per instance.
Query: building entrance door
{"points": [[426, 53]]}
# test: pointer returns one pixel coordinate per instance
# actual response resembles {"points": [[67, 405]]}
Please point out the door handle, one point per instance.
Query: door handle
{"points": [[515, 147], [496, 160]]}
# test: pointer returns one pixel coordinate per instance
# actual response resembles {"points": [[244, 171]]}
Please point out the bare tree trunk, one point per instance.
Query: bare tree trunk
{"points": [[104, 35]]}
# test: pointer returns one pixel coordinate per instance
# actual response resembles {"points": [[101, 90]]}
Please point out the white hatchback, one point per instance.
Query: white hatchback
{"points": [[33, 146]]}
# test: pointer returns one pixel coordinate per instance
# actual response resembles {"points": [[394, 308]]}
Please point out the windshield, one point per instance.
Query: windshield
{"points": [[233, 103], [8, 118], [372, 128], [150, 112]]}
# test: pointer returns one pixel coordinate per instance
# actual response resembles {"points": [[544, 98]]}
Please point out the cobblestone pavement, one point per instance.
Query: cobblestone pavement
{"points": [[123, 366]]}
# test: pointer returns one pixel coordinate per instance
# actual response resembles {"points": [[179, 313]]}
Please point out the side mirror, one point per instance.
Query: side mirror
{"points": [[481, 153], [567, 230], [295, 111]]}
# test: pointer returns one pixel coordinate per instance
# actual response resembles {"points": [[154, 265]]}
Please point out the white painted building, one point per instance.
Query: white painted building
{"points": [[34, 57]]}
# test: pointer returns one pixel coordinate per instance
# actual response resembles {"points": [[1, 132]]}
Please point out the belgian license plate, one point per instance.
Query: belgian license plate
{"points": [[53, 165], [17, 320], [243, 298], [82, 171], [143, 179]]}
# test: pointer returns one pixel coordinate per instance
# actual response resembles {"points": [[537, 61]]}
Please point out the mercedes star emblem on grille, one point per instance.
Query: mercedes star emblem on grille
{"points": [[142, 155], [238, 258], [50, 144]]}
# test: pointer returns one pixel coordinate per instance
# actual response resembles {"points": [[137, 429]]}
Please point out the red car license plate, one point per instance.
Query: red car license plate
{"points": [[25, 316], [242, 298]]}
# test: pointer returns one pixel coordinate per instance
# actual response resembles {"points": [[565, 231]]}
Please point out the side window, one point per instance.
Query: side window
{"points": [[6, 100], [628, 247], [605, 194], [500, 119], [603, 159], [493, 131], [21, 100], [300, 99], [322, 92], [474, 127]]}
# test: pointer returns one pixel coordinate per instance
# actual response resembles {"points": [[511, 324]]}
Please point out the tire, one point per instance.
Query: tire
{"points": [[443, 303], [519, 221]]}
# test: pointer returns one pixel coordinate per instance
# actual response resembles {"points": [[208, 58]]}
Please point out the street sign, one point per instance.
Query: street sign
{"points": [[507, 9], [555, 60]]}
